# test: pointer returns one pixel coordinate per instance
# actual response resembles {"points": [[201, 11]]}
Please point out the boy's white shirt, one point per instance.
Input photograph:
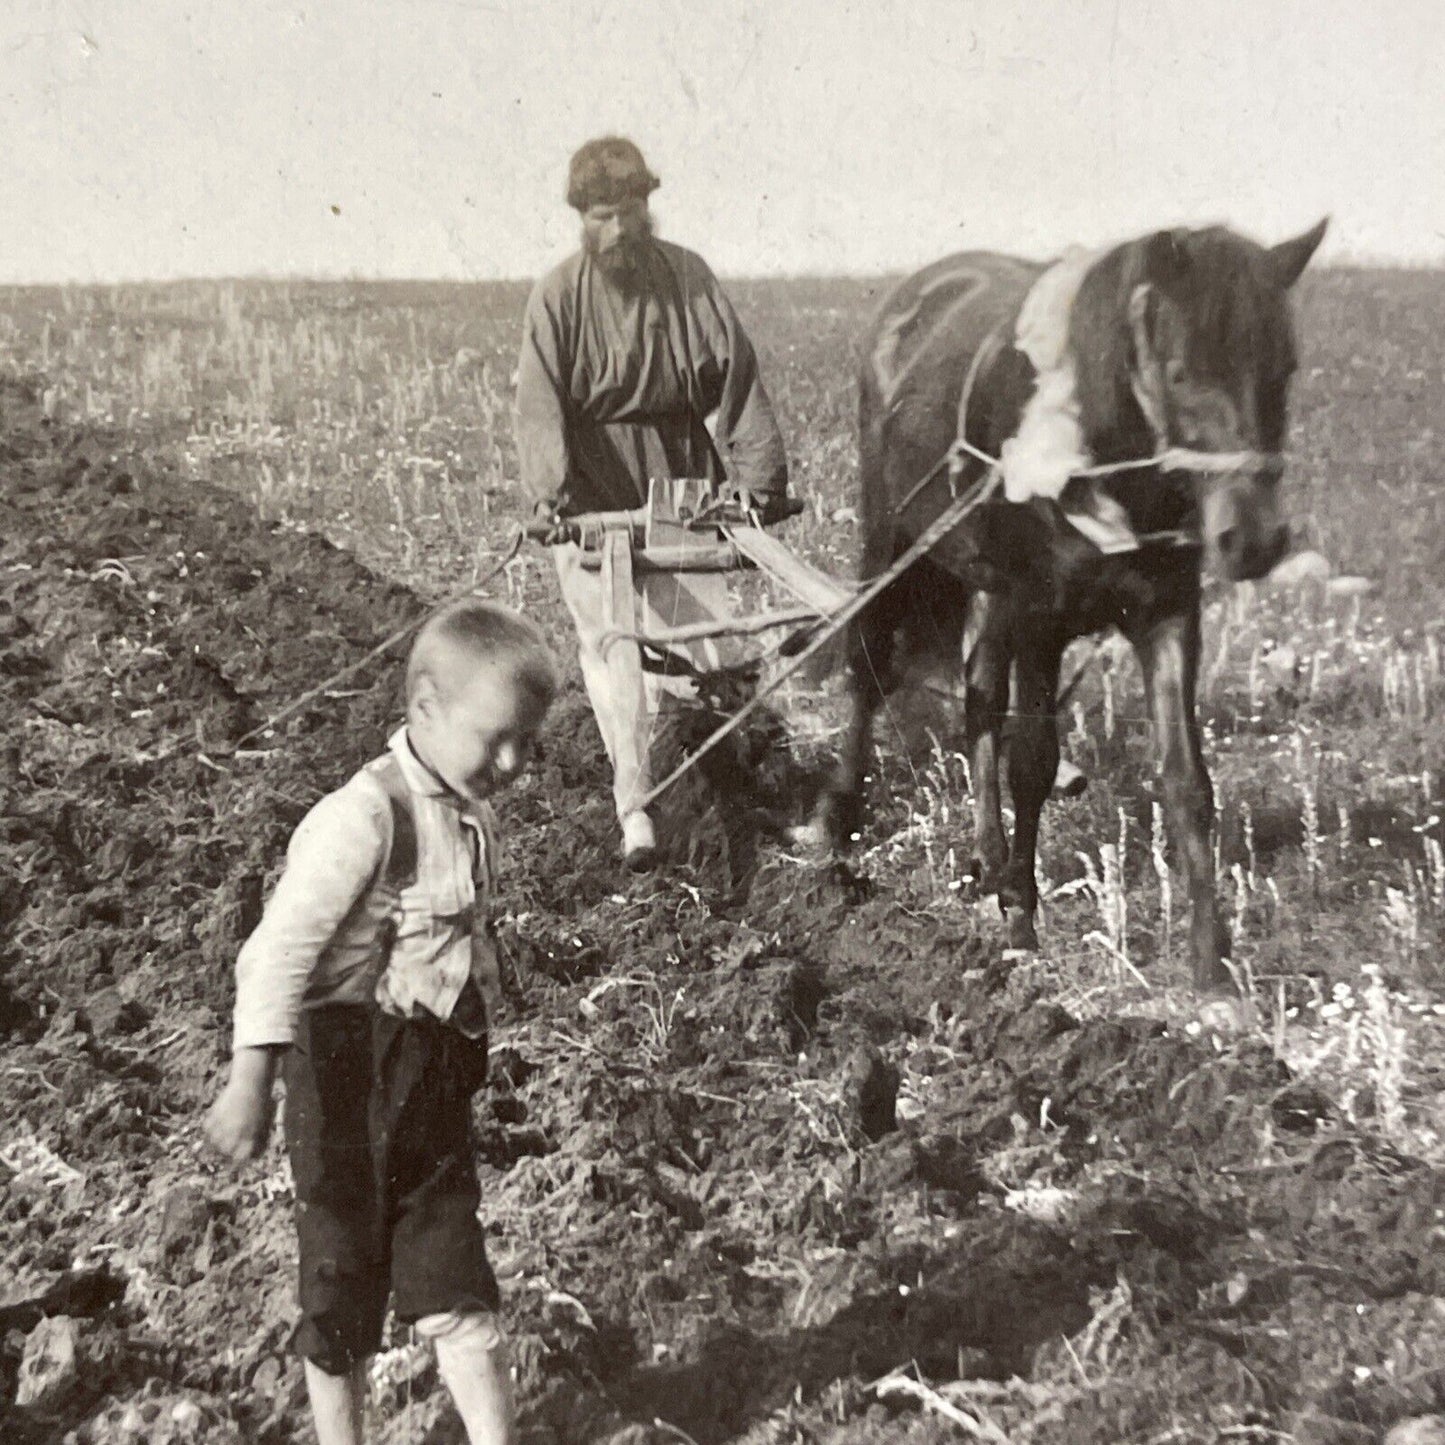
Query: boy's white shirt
{"points": [[322, 936]]}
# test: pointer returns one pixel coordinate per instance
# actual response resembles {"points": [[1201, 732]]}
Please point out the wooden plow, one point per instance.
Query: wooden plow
{"points": [[686, 528]]}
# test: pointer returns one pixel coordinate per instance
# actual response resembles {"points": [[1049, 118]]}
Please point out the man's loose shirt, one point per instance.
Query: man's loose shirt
{"points": [[615, 384]]}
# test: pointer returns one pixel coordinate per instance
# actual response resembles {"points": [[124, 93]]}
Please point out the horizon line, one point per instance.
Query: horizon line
{"points": [[1363, 261]]}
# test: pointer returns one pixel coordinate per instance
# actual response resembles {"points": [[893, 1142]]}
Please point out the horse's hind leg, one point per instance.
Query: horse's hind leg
{"points": [[1033, 760], [986, 677], [870, 642]]}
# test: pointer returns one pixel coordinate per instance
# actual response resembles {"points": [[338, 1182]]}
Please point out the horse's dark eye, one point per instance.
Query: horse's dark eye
{"points": [[1174, 372]]}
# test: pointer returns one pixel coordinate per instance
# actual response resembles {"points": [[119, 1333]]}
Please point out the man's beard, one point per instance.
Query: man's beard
{"points": [[624, 263]]}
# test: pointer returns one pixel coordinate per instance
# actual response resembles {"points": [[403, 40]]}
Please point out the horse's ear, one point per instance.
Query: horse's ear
{"points": [[1289, 258]]}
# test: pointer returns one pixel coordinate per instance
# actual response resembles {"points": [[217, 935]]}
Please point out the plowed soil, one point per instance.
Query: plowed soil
{"points": [[756, 1138]]}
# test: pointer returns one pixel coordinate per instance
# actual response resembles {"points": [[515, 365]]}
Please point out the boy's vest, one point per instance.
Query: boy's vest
{"points": [[401, 874]]}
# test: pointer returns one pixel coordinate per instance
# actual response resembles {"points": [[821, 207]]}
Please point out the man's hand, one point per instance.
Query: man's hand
{"points": [[778, 507], [771, 507], [238, 1124]]}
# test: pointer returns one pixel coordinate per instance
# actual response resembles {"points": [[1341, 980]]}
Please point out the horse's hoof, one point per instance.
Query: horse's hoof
{"points": [[1022, 937], [839, 819], [1227, 1017], [985, 878]]}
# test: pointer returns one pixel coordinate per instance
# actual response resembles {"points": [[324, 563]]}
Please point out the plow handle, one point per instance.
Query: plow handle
{"points": [[551, 533]]}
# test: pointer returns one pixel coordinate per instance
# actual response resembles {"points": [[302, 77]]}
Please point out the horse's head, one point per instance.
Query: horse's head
{"points": [[1184, 339]]}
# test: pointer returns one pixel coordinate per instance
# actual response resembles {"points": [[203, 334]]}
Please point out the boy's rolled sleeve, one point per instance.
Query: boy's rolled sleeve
{"points": [[332, 861]]}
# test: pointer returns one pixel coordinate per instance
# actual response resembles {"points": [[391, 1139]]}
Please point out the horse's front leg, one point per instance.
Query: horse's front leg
{"points": [[986, 681], [1169, 657], [1033, 761]]}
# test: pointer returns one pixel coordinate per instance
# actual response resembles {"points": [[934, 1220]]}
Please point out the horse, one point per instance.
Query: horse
{"points": [[1179, 349]]}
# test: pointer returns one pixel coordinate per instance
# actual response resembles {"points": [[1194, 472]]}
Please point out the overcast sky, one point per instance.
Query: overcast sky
{"points": [[151, 138]]}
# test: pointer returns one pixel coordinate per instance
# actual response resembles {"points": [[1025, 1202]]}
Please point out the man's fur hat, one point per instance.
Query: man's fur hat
{"points": [[606, 172]]}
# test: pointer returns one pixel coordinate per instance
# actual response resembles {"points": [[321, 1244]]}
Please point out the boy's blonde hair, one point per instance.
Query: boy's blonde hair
{"points": [[481, 632]]}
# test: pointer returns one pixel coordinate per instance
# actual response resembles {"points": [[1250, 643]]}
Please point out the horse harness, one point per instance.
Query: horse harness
{"points": [[1166, 457]]}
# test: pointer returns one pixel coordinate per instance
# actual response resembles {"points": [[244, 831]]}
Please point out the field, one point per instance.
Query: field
{"points": [[774, 1151]]}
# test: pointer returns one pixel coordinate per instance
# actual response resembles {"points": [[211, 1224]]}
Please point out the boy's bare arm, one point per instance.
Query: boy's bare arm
{"points": [[238, 1124], [333, 859]]}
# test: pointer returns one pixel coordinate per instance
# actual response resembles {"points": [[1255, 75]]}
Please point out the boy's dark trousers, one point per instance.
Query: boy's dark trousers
{"points": [[378, 1129]]}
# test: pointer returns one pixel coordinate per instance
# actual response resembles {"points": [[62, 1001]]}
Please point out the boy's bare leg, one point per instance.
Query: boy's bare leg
{"points": [[336, 1404], [472, 1361]]}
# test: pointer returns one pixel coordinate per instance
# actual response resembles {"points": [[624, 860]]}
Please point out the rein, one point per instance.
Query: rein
{"points": [[1186, 459]]}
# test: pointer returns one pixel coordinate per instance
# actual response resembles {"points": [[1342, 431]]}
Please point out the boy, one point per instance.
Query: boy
{"points": [[365, 982]]}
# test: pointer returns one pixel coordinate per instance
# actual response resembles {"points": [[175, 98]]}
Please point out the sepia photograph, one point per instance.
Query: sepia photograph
{"points": [[722, 724]]}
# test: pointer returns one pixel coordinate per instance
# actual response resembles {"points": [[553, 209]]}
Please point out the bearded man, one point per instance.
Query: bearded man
{"points": [[634, 366]]}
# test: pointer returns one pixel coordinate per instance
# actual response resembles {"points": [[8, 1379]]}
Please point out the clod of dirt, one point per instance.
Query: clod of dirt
{"points": [[1316, 1429], [508, 1068], [873, 1092], [636, 1435], [529, 1363], [82, 1292], [1229, 1018], [948, 1164], [159, 1420], [49, 1365], [565, 1411], [267, 1380], [1299, 1107], [107, 1013], [184, 1220], [1419, 1430], [799, 998], [562, 955], [1172, 1224]]}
